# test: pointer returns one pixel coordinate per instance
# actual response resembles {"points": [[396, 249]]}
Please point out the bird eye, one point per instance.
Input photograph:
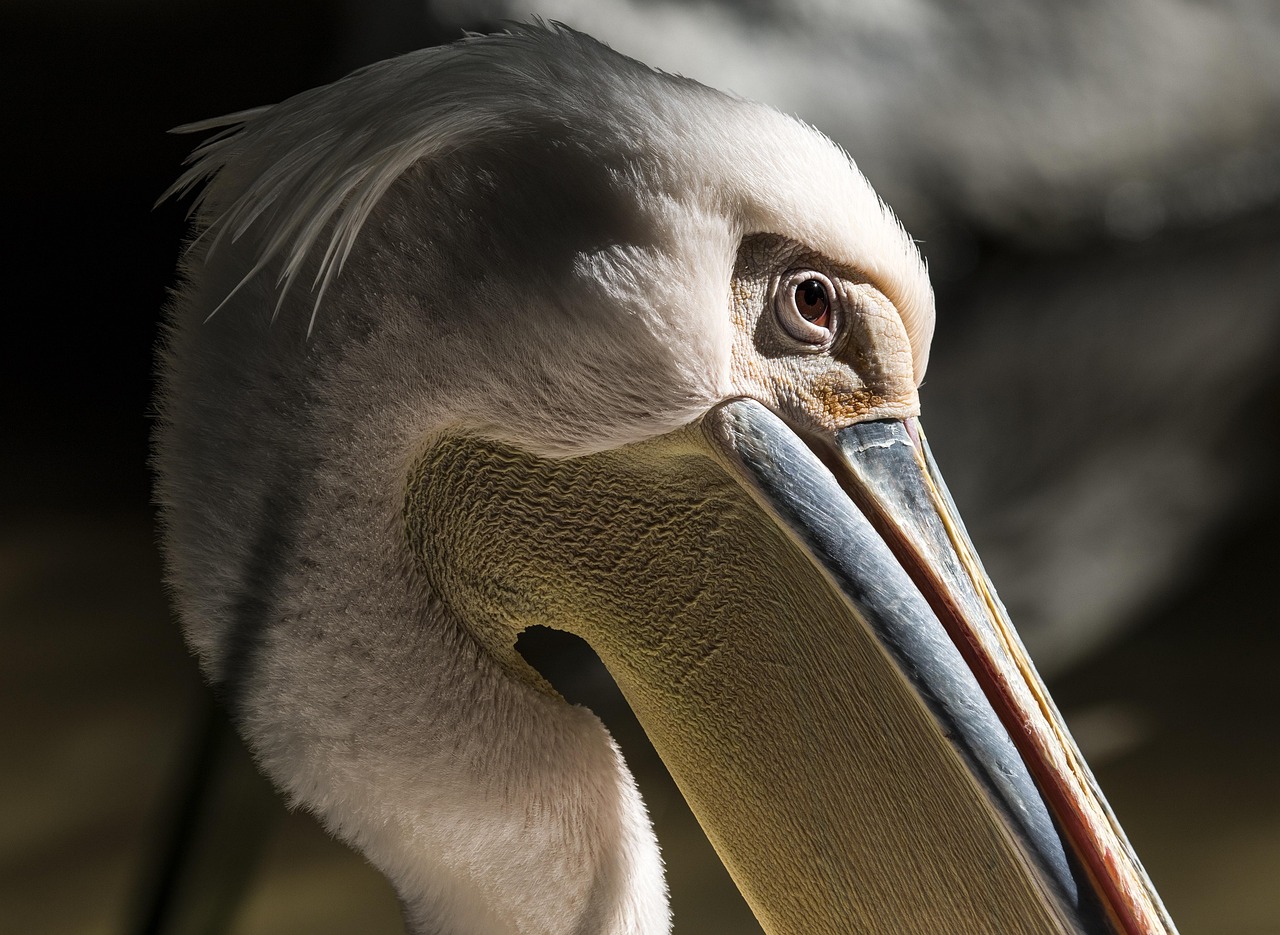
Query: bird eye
{"points": [[812, 301], [806, 307]]}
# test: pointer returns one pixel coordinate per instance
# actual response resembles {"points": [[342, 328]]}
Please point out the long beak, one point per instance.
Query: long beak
{"points": [[874, 516], [806, 635]]}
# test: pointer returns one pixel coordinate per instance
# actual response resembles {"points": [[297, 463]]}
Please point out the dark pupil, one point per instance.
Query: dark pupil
{"points": [[813, 299]]}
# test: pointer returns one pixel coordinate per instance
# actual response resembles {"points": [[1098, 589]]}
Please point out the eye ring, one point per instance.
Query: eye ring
{"points": [[807, 307]]}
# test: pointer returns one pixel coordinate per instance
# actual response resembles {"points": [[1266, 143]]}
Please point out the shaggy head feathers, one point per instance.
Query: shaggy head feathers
{"points": [[303, 177], [542, 237]]}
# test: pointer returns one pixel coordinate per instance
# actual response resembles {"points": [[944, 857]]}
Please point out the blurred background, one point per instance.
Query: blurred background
{"points": [[1097, 189]]}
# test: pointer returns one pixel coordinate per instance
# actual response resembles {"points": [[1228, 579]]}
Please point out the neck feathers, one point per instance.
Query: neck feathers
{"points": [[282, 465]]}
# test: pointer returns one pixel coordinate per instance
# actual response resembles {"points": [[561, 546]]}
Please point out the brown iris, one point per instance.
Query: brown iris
{"points": [[813, 303]]}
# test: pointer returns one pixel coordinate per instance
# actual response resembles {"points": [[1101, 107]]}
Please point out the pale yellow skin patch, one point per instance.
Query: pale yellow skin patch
{"points": [[818, 774], [868, 371]]}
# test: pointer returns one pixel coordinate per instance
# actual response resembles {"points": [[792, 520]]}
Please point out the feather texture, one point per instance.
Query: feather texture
{"points": [[308, 172]]}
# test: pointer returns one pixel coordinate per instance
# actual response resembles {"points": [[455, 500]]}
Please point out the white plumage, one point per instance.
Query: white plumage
{"points": [[531, 241], [311, 169]]}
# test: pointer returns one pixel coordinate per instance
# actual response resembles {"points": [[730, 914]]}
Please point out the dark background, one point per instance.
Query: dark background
{"points": [[1104, 399]]}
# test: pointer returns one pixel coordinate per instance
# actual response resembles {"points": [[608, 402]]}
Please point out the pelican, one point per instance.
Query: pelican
{"points": [[517, 332]]}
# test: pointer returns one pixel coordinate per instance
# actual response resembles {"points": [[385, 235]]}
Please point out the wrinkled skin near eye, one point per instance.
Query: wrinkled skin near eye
{"points": [[806, 305]]}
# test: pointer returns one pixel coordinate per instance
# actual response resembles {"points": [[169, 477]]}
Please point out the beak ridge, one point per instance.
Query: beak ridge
{"points": [[893, 545]]}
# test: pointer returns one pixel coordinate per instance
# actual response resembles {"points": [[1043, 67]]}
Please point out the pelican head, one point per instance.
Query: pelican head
{"points": [[521, 332]]}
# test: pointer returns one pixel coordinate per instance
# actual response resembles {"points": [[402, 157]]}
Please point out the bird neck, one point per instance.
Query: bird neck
{"points": [[491, 806]]}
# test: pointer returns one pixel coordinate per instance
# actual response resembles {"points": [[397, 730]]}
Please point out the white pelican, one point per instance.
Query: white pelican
{"points": [[599, 348]]}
